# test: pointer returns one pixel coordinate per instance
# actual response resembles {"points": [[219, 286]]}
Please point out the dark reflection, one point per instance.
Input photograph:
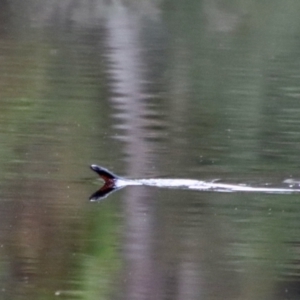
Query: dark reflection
{"points": [[104, 192], [5, 17]]}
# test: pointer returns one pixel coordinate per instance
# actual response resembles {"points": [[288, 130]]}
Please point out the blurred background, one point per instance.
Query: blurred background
{"points": [[203, 89]]}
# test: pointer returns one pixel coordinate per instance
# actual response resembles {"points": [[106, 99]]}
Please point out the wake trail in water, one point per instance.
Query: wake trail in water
{"points": [[114, 182]]}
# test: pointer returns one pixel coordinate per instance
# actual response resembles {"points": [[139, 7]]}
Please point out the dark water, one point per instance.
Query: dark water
{"points": [[191, 89]]}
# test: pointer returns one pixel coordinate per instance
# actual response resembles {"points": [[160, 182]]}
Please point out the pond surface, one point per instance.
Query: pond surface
{"points": [[152, 89]]}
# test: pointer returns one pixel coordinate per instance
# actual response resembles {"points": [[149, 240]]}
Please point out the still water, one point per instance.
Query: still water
{"points": [[152, 89]]}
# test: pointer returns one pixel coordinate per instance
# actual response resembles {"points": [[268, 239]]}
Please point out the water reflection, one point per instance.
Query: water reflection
{"points": [[194, 89]]}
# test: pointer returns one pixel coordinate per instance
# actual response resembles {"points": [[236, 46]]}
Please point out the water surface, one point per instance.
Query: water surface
{"points": [[201, 90]]}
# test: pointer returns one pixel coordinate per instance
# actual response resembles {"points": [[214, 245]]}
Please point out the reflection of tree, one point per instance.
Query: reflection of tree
{"points": [[232, 85], [181, 267], [126, 67]]}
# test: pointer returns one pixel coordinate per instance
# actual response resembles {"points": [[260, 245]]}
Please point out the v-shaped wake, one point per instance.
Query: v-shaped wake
{"points": [[114, 182]]}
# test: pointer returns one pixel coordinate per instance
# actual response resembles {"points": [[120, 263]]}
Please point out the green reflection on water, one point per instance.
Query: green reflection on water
{"points": [[214, 93], [101, 263]]}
